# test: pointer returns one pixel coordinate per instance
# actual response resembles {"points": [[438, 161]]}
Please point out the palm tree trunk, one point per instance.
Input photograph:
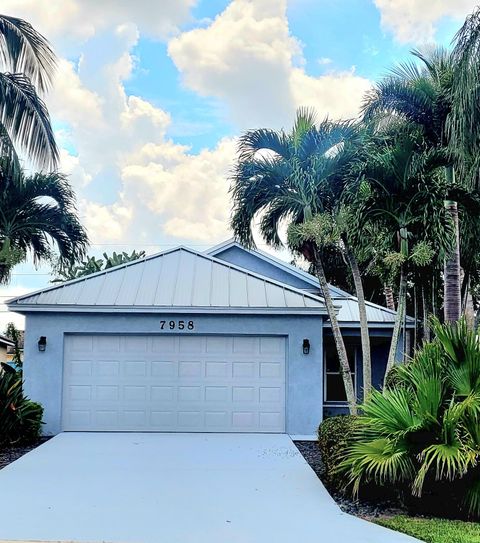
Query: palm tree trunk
{"points": [[415, 316], [452, 279], [389, 299], [337, 336], [362, 310], [426, 326], [402, 295]]}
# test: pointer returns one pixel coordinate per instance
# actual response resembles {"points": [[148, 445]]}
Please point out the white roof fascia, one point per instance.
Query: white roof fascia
{"points": [[56, 308]]}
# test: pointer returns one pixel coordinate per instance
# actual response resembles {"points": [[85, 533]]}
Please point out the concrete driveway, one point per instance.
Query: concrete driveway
{"points": [[175, 488]]}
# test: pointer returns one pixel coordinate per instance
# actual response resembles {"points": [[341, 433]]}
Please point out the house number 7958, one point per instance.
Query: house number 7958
{"points": [[177, 325]]}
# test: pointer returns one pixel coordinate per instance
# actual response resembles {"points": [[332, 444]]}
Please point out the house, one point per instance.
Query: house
{"points": [[231, 340], [5, 346]]}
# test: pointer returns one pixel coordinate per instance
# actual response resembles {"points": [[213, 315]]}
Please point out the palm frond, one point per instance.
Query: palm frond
{"points": [[379, 460], [26, 119], [9, 161], [390, 413], [472, 497], [38, 216], [24, 50], [263, 139]]}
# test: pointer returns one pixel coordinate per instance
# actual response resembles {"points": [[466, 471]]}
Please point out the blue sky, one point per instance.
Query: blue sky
{"points": [[150, 97]]}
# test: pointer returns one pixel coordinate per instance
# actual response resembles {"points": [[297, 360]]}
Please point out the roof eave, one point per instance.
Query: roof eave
{"points": [[57, 308], [371, 324]]}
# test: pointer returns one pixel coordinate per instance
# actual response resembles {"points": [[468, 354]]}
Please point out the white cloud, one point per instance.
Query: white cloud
{"points": [[162, 189], [415, 21], [69, 22], [72, 101], [247, 58], [323, 61], [7, 292], [244, 58], [336, 95], [135, 185], [108, 222], [189, 193]]}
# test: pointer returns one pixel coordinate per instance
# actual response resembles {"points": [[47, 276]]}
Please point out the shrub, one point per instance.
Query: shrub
{"points": [[422, 432], [334, 436], [20, 418]]}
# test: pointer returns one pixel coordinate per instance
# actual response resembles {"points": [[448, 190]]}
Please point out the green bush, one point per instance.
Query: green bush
{"points": [[20, 418], [421, 434], [334, 436]]}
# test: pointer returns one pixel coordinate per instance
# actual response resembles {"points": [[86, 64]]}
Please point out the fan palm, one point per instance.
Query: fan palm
{"points": [[37, 216], [423, 429], [292, 178], [421, 94], [27, 62]]}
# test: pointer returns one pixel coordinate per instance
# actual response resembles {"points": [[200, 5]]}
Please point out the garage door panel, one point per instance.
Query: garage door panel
{"points": [[198, 383], [164, 344]]}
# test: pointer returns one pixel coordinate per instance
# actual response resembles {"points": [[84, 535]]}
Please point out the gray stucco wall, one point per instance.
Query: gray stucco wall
{"points": [[43, 371]]}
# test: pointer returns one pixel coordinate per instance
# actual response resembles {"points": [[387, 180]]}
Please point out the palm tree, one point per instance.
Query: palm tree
{"points": [[37, 216], [27, 62], [464, 126], [283, 178], [404, 200], [422, 431], [94, 265], [421, 94]]}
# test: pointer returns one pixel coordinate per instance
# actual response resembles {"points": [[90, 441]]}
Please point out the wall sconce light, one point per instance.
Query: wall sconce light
{"points": [[42, 343], [306, 346]]}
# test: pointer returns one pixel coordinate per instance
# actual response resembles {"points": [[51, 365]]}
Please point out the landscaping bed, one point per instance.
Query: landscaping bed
{"points": [[361, 508], [430, 530], [10, 454]]}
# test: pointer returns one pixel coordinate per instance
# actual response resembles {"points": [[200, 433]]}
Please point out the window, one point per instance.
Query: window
{"points": [[333, 387]]}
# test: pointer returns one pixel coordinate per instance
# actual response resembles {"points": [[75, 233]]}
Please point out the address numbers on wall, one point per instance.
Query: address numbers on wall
{"points": [[177, 325]]}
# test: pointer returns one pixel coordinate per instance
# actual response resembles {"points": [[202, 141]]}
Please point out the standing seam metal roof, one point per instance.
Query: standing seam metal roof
{"points": [[178, 278], [347, 303]]}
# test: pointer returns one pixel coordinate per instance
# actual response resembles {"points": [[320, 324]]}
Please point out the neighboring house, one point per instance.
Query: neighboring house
{"points": [[5, 346], [11, 348], [231, 340]]}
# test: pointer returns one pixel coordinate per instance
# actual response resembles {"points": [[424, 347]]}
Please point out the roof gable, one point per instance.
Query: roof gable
{"points": [[176, 279], [347, 303]]}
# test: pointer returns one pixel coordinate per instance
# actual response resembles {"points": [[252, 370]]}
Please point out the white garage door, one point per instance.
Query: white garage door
{"points": [[174, 383]]}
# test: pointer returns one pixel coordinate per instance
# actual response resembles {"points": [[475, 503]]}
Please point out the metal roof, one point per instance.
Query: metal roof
{"points": [[4, 340], [347, 303], [178, 279]]}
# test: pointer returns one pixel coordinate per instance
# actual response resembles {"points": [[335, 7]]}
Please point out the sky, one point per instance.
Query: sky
{"points": [[150, 96]]}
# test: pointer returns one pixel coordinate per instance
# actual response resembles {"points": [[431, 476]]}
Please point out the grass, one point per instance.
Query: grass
{"points": [[434, 530]]}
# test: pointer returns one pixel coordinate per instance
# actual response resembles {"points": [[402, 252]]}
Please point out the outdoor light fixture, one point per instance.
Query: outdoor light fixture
{"points": [[42, 343], [306, 346]]}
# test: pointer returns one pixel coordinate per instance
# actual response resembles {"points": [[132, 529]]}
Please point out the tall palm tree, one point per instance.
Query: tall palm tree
{"points": [[421, 93], [290, 178], [27, 63], [405, 200], [37, 216]]}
